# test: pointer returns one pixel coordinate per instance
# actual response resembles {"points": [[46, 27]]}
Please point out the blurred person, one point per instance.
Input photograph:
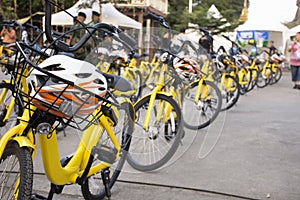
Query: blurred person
{"points": [[94, 41], [272, 48], [95, 18], [8, 34], [166, 41], [294, 48], [234, 49], [179, 40], [77, 33]]}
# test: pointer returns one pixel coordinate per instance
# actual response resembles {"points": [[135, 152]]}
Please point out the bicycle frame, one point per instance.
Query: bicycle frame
{"points": [[55, 172], [157, 90], [266, 69], [24, 88], [60, 175]]}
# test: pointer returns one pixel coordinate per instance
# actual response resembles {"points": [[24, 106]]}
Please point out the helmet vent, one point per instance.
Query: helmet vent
{"points": [[83, 75], [98, 81], [55, 67]]}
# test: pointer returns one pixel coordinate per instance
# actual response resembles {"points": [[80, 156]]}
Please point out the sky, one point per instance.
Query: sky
{"points": [[273, 10]]}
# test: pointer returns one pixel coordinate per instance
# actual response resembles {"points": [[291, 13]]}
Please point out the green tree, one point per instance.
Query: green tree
{"points": [[7, 9], [23, 6], [229, 9], [177, 13]]}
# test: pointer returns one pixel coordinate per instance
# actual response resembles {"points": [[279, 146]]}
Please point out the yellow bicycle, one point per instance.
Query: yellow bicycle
{"points": [[159, 121], [106, 122]]}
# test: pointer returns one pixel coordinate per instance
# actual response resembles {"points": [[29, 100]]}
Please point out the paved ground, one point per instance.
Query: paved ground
{"points": [[250, 152]]}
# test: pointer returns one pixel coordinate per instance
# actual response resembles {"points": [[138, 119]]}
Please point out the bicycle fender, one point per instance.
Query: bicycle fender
{"points": [[160, 92], [24, 142]]}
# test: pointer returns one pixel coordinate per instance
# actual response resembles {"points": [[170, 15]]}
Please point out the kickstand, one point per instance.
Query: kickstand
{"points": [[106, 180]]}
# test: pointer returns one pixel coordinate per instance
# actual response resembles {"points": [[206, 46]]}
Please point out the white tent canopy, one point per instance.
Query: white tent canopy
{"points": [[277, 31], [258, 26], [110, 15]]}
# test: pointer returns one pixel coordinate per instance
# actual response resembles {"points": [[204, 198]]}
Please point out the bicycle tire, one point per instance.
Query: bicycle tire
{"points": [[16, 166], [230, 98], [276, 76], [160, 138], [244, 88], [16, 112], [261, 80], [138, 78], [87, 189], [212, 105], [254, 76]]}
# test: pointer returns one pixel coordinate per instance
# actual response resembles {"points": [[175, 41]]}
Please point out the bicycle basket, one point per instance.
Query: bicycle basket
{"points": [[67, 88], [19, 66]]}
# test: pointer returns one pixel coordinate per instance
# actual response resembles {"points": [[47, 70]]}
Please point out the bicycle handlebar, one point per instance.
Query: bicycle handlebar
{"points": [[117, 33], [221, 48], [186, 42]]}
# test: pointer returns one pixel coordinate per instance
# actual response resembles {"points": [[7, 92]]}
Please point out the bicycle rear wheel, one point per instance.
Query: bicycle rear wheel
{"points": [[93, 187], [200, 115], [151, 149], [16, 173]]}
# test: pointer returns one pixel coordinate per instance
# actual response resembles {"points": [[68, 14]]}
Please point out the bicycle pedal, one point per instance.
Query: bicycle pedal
{"points": [[105, 153]]}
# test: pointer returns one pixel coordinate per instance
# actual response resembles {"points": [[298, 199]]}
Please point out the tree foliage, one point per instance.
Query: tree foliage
{"points": [[16, 9], [7, 9], [229, 9]]}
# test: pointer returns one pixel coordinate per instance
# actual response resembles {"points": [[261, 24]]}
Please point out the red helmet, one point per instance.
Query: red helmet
{"points": [[185, 68]]}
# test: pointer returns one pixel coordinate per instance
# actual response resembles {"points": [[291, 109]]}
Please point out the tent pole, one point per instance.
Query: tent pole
{"points": [[100, 6]]}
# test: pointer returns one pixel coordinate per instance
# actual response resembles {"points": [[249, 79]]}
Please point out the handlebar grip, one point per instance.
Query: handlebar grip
{"points": [[33, 27], [226, 37], [7, 21], [204, 30], [153, 16], [48, 12], [221, 48], [158, 18]]}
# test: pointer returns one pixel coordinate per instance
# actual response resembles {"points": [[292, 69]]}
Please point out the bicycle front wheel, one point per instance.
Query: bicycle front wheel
{"points": [[199, 113], [276, 75], [153, 146], [93, 188], [245, 78], [16, 173], [10, 108], [138, 84], [230, 91], [263, 79]]}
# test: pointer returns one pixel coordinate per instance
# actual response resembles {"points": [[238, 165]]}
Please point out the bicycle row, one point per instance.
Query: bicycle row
{"points": [[124, 111]]}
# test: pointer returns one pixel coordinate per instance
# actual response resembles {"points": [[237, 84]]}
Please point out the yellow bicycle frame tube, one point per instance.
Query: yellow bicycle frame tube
{"points": [[62, 175]]}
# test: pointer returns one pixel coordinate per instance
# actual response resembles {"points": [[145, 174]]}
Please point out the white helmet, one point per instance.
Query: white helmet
{"points": [[244, 58], [277, 58], [63, 99]]}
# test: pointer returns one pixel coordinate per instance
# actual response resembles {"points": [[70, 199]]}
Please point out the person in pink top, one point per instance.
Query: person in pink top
{"points": [[294, 48]]}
